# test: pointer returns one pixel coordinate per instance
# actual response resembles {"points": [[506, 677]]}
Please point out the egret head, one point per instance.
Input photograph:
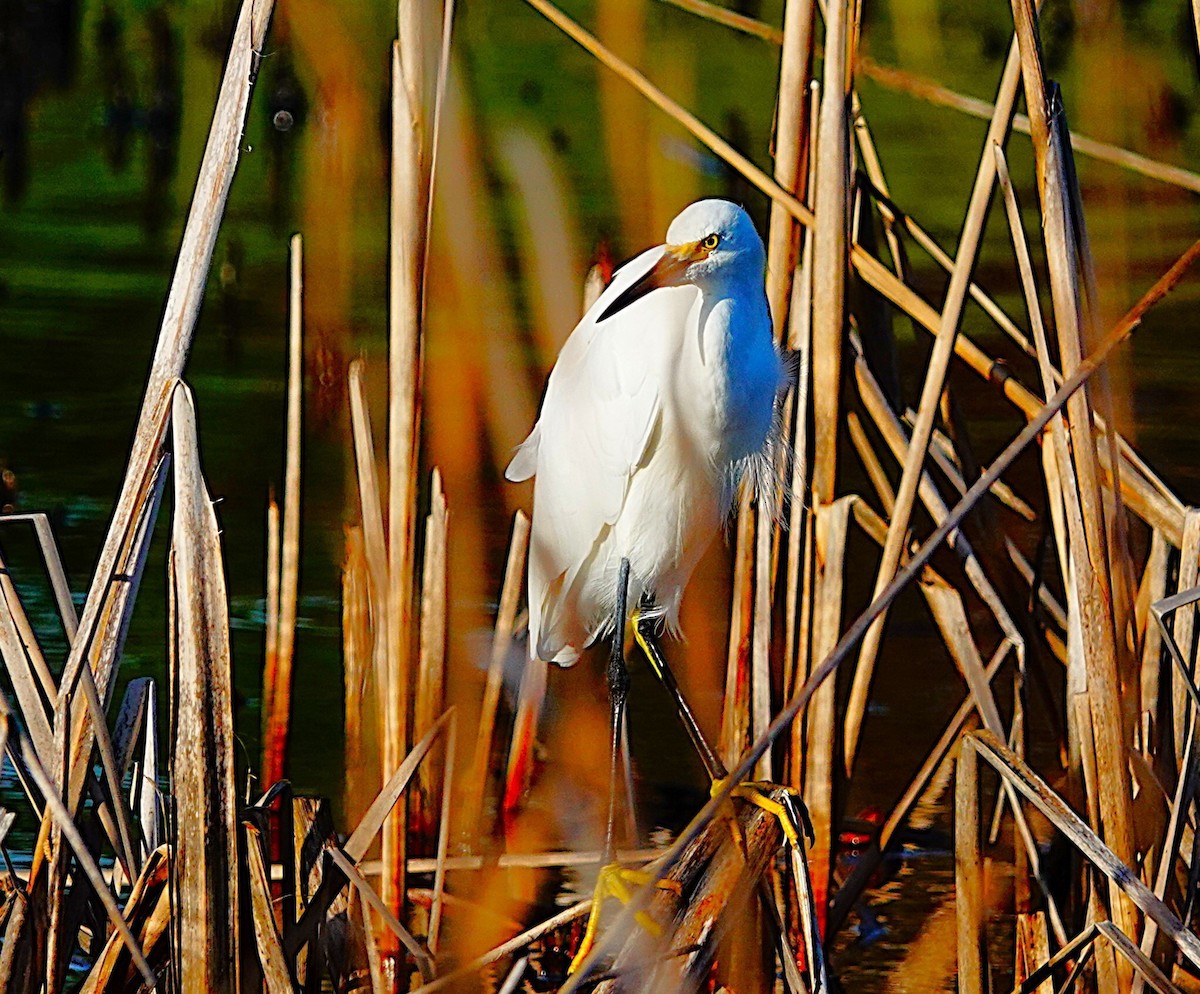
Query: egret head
{"points": [[711, 241]]}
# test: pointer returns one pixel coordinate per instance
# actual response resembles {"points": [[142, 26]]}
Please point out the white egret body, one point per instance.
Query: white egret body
{"points": [[661, 400]]}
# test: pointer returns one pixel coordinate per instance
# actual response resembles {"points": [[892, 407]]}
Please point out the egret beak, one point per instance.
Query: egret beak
{"points": [[668, 271]]}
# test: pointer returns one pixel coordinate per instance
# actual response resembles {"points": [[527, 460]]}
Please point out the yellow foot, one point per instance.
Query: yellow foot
{"points": [[783, 802], [619, 882]]}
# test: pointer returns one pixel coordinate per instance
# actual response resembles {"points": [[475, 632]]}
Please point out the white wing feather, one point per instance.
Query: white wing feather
{"points": [[601, 407]]}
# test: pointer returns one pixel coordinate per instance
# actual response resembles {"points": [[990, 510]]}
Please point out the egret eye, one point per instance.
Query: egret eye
{"points": [[710, 242]]}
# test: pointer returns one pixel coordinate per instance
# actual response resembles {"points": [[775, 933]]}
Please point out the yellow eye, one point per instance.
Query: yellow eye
{"points": [[710, 242]]}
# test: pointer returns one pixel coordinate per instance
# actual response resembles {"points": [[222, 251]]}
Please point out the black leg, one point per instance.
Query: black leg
{"points": [[658, 662], [618, 689]]}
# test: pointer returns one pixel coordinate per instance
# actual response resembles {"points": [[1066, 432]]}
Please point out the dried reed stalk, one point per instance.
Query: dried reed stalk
{"points": [[760, 642], [29, 683], [1088, 546], [357, 648], [431, 665], [104, 607], [406, 262], [797, 607], [931, 391], [1013, 769], [832, 210], [449, 761], [831, 525], [147, 910], [271, 613], [969, 904], [510, 595], [275, 974], [205, 877], [277, 720], [791, 141], [735, 709]]}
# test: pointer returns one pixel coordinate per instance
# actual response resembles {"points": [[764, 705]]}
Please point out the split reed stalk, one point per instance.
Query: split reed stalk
{"points": [[205, 864]]}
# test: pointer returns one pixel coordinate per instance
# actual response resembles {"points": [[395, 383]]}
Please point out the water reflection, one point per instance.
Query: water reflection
{"points": [[38, 48]]}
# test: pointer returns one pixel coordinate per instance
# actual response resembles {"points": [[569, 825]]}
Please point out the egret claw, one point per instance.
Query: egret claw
{"points": [[786, 805], [619, 882]]}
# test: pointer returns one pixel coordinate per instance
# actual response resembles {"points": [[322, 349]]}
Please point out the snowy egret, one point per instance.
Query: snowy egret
{"points": [[662, 400]]}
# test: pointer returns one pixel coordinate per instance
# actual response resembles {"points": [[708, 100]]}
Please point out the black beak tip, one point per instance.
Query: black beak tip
{"points": [[617, 304]]}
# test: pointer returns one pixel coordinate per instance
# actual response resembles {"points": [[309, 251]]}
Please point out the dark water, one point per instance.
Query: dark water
{"points": [[103, 113]]}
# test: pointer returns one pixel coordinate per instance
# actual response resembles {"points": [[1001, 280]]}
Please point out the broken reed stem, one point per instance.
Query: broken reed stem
{"points": [[279, 717], [783, 720], [510, 599]]}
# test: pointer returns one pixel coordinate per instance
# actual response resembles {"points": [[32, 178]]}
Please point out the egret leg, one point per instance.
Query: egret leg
{"points": [[613, 878], [791, 812], [644, 633], [618, 691]]}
